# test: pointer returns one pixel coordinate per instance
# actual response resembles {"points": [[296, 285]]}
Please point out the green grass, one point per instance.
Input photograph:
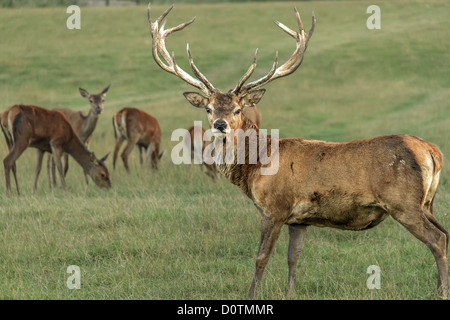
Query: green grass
{"points": [[174, 234]]}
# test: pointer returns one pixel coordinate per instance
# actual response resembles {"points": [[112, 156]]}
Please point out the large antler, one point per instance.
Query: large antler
{"points": [[159, 35], [288, 67]]}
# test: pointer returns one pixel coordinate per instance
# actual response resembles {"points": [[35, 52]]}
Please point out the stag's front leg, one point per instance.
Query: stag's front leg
{"points": [[297, 234], [270, 231]]}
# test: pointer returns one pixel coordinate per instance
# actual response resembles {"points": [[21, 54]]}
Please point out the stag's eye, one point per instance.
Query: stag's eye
{"points": [[237, 112], [208, 110]]}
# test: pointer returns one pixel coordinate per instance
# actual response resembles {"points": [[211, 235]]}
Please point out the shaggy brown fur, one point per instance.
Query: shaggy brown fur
{"points": [[47, 131], [138, 128], [351, 185]]}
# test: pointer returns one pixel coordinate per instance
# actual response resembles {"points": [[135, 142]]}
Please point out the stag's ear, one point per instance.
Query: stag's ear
{"points": [[252, 98], [196, 99], [84, 93], [106, 90]]}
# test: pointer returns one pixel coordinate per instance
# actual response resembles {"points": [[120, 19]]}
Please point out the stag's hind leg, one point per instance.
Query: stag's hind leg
{"points": [[297, 234], [434, 236]]}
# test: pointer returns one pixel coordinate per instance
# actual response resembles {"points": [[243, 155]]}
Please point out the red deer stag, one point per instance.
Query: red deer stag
{"points": [[138, 128], [351, 185], [194, 139], [84, 125], [47, 131]]}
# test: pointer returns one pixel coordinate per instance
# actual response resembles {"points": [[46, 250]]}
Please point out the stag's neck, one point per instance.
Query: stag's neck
{"points": [[242, 174], [79, 152], [88, 125]]}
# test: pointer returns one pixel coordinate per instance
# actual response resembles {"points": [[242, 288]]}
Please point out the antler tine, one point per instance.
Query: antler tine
{"points": [[293, 62], [263, 80], [313, 24], [159, 35], [158, 21], [246, 76], [197, 72]]}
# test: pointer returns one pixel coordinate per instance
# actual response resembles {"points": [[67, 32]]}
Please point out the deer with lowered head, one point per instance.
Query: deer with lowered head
{"points": [[48, 131], [137, 128], [83, 125], [349, 185]]}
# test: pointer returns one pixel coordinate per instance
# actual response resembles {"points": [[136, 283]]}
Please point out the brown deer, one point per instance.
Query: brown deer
{"points": [[194, 138], [138, 128], [351, 185], [254, 115], [48, 131], [83, 125]]}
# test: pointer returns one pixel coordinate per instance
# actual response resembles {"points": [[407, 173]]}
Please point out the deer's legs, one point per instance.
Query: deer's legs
{"points": [[139, 150], [49, 168], [433, 236], [53, 165], [297, 234], [57, 153], [128, 148], [10, 163], [39, 157], [270, 231], [119, 142], [66, 163], [149, 153]]}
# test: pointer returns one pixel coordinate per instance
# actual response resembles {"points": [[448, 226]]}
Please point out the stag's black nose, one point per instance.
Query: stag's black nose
{"points": [[220, 125]]}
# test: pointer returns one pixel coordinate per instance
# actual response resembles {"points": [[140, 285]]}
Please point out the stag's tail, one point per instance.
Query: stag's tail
{"points": [[437, 159]]}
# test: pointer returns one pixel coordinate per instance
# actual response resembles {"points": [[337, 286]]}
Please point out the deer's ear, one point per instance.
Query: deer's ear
{"points": [[106, 90], [84, 93], [104, 158], [196, 99], [252, 98]]}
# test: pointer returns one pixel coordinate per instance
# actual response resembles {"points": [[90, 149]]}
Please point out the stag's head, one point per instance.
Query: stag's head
{"points": [[96, 100], [224, 110]]}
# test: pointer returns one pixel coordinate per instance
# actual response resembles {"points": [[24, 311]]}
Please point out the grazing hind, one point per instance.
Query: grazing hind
{"points": [[48, 131], [137, 128]]}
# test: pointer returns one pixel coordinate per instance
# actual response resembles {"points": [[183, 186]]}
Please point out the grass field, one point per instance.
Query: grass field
{"points": [[174, 234]]}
